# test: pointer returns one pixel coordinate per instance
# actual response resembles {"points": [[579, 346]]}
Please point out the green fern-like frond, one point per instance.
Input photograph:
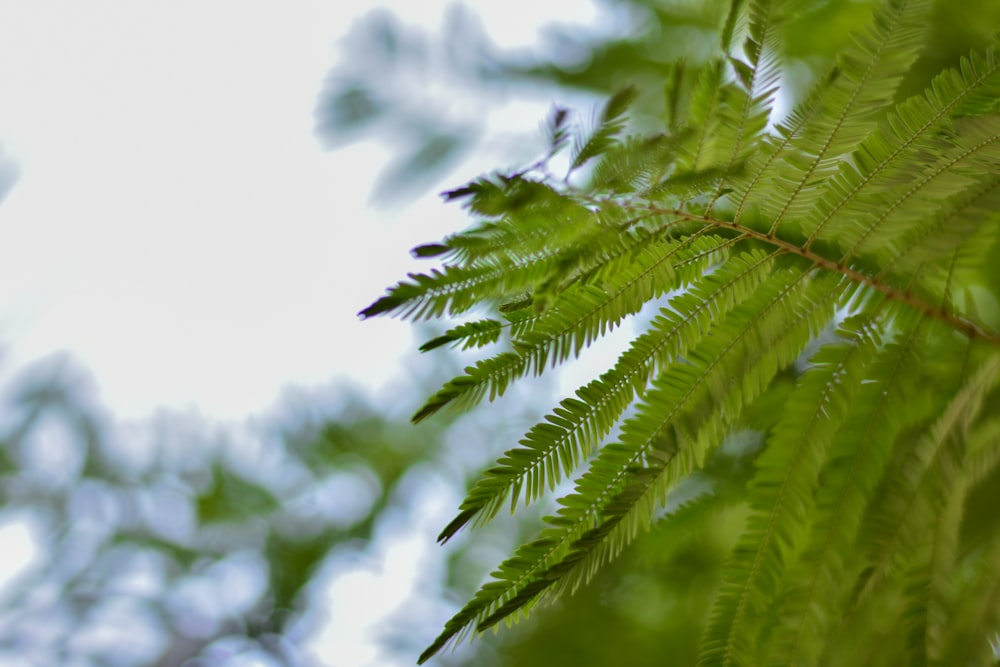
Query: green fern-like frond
{"points": [[886, 158], [608, 125], [850, 245], [557, 445], [817, 135], [781, 494], [676, 423], [858, 454], [581, 314], [895, 525]]}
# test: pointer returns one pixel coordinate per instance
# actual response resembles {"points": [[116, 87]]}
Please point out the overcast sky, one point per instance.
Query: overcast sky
{"points": [[176, 225], [178, 228]]}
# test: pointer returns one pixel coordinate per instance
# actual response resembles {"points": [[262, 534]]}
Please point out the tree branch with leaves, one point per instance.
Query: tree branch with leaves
{"points": [[853, 241]]}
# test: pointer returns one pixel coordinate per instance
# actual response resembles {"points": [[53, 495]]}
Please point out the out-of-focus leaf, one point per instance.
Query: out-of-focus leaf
{"points": [[422, 167], [292, 562], [230, 498], [346, 112], [9, 173]]}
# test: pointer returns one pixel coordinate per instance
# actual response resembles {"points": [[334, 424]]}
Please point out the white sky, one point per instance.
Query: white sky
{"points": [[176, 225]]}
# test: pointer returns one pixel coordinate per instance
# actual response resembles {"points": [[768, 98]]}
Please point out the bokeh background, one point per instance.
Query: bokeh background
{"points": [[205, 458]]}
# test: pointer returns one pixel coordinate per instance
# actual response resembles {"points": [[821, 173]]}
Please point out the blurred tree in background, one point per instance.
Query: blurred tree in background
{"points": [[181, 538], [430, 97]]}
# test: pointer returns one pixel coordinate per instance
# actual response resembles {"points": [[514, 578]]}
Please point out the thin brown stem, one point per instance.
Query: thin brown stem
{"points": [[952, 319]]}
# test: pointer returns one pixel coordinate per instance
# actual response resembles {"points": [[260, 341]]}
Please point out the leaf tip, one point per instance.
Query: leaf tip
{"points": [[456, 524], [425, 412], [435, 343], [429, 250]]}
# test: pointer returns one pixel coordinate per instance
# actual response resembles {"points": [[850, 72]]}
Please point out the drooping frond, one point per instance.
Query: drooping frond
{"points": [[781, 494], [579, 315], [811, 590], [909, 572], [839, 268], [978, 616], [674, 429], [556, 446], [915, 489], [983, 457]]}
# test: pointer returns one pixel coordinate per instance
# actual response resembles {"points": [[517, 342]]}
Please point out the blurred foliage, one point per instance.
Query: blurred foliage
{"points": [[385, 85], [161, 542], [8, 174], [430, 96], [181, 540]]}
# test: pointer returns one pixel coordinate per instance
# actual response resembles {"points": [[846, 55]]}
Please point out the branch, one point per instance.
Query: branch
{"points": [[968, 327]]}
